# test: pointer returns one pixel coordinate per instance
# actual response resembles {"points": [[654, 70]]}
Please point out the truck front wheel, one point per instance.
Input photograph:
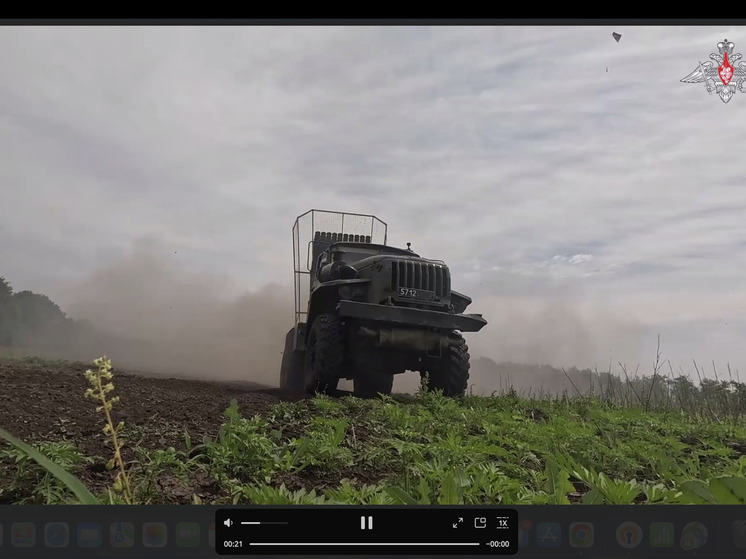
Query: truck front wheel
{"points": [[325, 354], [449, 373]]}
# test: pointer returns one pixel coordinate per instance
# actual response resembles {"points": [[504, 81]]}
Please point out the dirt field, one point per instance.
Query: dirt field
{"points": [[43, 401]]}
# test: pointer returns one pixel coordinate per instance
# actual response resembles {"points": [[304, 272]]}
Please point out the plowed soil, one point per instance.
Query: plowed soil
{"points": [[40, 401]]}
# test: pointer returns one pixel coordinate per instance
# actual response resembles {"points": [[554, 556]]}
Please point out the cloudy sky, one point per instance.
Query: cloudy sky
{"points": [[585, 197]]}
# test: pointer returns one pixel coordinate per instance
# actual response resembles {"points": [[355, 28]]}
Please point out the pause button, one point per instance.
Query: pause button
{"points": [[362, 523]]}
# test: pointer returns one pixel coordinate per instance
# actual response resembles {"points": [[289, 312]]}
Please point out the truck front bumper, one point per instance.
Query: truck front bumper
{"points": [[411, 317]]}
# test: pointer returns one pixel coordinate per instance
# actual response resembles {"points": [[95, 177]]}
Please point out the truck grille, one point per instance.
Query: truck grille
{"points": [[421, 275]]}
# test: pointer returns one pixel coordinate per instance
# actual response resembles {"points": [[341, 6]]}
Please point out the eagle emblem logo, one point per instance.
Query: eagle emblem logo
{"points": [[718, 73]]}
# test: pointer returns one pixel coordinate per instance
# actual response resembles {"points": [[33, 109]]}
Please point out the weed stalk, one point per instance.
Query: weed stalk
{"points": [[100, 381]]}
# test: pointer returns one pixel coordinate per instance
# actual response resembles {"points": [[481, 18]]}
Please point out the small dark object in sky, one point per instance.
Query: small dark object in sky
{"points": [[616, 36]]}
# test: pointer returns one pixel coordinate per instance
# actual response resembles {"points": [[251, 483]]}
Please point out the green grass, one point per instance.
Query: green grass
{"points": [[479, 451], [43, 473]]}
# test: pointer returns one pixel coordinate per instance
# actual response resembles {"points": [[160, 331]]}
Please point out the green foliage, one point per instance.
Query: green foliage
{"points": [[154, 465], [45, 468], [557, 484], [722, 490], [436, 450], [56, 459], [267, 495], [242, 449]]}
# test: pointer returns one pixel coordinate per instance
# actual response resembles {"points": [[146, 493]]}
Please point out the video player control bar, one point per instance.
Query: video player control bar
{"points": [[379, 530]]}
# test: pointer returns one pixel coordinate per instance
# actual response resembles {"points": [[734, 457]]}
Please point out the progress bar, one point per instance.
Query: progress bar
{"points": [[355, 544]]}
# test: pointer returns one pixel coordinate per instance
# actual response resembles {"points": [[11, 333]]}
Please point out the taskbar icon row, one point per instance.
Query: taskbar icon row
{"points": [[627, 535], [114, 535]]}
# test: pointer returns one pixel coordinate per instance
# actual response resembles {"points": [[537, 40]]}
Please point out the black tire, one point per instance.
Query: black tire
{"points": [[369, 383], [325, 354], [291, 370], [450, 373]]}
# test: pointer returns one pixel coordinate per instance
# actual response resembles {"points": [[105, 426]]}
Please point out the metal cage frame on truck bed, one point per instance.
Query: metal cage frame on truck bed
{"points": [[315, 230]]}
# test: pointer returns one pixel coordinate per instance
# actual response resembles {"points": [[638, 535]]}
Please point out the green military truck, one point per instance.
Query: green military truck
{"points": [[365, 311]]}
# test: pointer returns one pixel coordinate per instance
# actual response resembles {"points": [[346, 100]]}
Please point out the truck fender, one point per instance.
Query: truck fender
{"points": [[459, 301], [326, 296]]}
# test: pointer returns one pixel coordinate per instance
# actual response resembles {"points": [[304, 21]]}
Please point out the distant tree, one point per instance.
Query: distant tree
{"points": [[37, 311], [26, 316], [7, 313], [5, 288]]}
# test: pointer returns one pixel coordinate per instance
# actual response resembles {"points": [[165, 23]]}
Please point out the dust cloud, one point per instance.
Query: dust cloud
{"points": [[146, 312], [528, 341], [149, 313], [561, 331]]}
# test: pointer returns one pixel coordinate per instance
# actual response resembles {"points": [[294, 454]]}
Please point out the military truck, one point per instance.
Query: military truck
{"points": [[365, 311]]}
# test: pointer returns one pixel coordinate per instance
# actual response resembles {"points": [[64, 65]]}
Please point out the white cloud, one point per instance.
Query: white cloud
{"points": [[500, 147]]}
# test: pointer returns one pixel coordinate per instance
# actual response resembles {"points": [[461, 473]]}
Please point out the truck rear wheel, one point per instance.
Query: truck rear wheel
{"points": [[325, 354], [291, 370], [450, 373]]}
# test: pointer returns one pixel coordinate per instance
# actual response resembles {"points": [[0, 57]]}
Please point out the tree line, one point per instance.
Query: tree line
{"points": [[25, 314]]}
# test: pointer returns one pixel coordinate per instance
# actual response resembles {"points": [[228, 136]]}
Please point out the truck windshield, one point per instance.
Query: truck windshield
{"points": [[360, 250]]}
